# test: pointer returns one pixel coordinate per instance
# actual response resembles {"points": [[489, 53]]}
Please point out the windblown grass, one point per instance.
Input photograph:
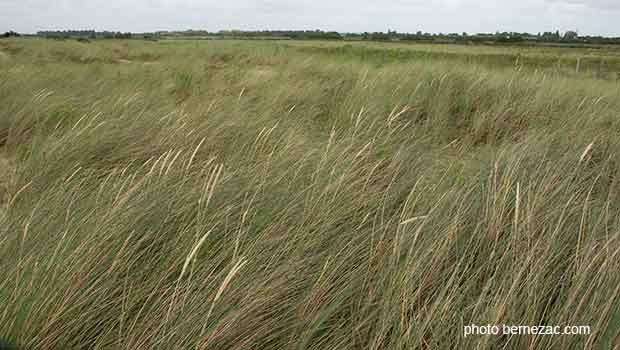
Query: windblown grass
{"points": [[252, 196]]}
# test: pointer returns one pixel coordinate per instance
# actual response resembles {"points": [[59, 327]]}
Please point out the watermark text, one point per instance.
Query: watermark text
{"points": [[504, 329]]}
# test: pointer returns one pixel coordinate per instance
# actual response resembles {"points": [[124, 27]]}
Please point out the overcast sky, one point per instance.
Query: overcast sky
{"points": [[587, 16]]}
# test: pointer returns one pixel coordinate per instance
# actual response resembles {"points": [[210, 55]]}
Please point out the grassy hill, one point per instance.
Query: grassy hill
{"points": [[274, 195]]}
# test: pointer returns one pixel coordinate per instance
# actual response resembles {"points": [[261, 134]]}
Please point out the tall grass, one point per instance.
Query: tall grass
{"points": [[250, 196]]}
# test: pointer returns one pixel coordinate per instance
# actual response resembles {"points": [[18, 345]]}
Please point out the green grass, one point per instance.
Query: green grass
{"points": [[275, 195], [597, 62]]}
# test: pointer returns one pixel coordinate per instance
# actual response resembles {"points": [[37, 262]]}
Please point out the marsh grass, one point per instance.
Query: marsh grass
{"points": [[277, 199]]}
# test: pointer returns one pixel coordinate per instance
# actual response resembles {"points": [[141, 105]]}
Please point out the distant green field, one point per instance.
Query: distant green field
{"points": [[214, 194], [600, 62]]}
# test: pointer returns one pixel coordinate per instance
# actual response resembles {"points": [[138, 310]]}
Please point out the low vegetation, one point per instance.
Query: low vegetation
{"points": [[264, 195]]}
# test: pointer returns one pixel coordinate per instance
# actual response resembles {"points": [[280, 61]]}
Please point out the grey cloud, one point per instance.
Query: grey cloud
{"points": [[588, 16], [596, 4]]}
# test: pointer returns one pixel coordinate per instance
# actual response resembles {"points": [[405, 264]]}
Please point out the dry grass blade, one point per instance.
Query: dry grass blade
{"points": [[586, 152]]}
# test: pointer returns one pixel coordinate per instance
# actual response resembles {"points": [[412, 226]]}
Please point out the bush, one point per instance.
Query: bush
{"points": [[10, 34]]}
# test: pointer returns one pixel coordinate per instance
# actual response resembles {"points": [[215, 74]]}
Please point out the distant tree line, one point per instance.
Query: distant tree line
{"points": [[83, 34], [10, 34], [292, 34], [287, 34], [568, 37]]}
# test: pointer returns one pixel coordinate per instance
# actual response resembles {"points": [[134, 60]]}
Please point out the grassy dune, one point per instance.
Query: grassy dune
{"points": [[260, 195]]}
